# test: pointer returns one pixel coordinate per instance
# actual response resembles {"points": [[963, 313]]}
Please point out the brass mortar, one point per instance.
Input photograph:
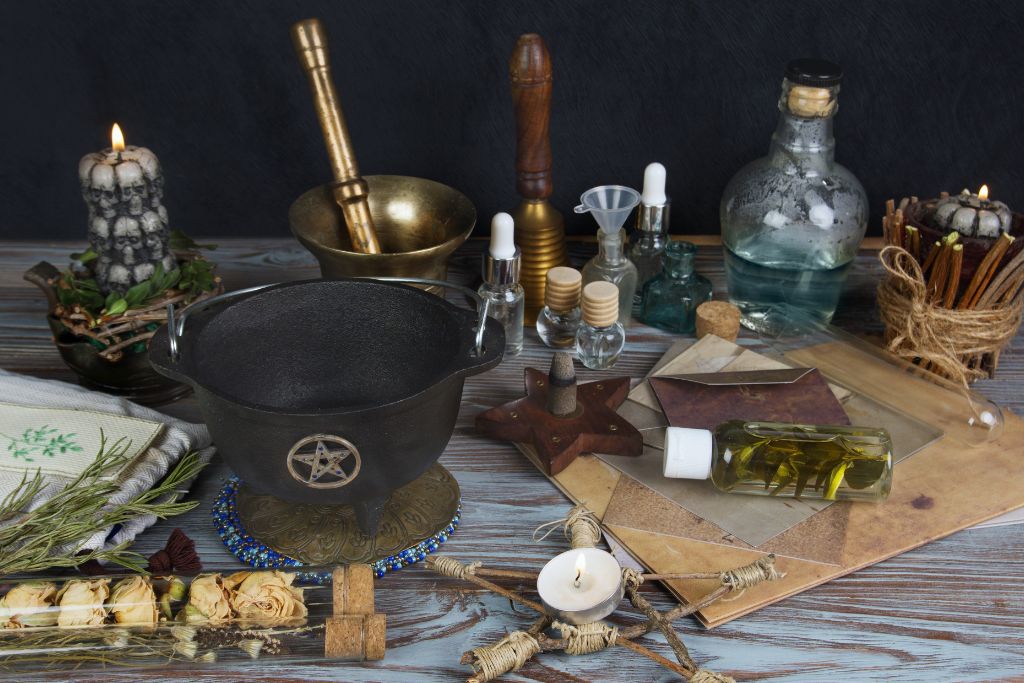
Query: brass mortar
{"points": [[419, 223]]}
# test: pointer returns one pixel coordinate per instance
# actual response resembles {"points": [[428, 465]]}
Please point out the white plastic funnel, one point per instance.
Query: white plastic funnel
{"points": [[609, 205]]}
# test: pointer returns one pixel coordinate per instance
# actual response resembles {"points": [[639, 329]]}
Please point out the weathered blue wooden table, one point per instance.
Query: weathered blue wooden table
{"points": [[951, 611]]}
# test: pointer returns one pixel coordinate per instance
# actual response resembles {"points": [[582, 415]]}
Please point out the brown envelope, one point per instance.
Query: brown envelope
{"points": [[705, 400]]}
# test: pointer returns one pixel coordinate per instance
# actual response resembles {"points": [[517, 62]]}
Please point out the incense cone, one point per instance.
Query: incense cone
{"points": [[562, 380]]}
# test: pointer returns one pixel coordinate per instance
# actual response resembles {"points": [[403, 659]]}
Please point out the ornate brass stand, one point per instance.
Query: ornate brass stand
{"points": [[329, 534]]}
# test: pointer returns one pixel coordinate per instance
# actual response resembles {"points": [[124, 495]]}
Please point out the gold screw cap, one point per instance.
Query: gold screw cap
{"points": [[562, 292], [600, 304]]}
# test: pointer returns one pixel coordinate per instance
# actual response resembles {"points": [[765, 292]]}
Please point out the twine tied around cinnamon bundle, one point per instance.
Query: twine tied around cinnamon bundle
{"points": [[508, 654], [580, 527], [954, 342], [583, 639]]}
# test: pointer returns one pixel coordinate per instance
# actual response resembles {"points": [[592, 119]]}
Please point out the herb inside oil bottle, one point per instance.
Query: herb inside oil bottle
{"points": [[786, 460]]}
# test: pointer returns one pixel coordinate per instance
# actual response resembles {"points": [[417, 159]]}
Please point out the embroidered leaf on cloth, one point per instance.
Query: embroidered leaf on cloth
{"points": [[44, 441]]}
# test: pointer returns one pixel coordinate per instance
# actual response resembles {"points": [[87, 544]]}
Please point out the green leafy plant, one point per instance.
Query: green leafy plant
{"points": [[192, 277], [51, 536], [179, 241], [76, 289]]}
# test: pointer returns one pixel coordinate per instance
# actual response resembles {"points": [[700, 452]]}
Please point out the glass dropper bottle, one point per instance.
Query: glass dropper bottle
{"points": [[652, 229]]}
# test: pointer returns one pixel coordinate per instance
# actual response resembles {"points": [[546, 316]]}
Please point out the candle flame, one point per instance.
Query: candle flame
{"points": [[983, 193], [117, 138], [581, 569]]}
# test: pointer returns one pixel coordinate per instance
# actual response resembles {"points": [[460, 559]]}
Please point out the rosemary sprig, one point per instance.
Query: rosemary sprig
{"points": [[52, 535]]}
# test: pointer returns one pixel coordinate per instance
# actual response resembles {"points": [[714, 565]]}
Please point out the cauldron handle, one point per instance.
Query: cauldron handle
{"points": [[481, 303], [176, 325]]}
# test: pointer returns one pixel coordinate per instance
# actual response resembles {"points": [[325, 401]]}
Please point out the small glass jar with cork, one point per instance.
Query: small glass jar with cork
{"points": [[558, 321], [601, 337]]}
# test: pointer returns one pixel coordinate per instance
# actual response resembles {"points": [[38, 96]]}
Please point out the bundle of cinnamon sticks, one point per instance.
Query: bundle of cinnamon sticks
{"points": [[942, 263]]}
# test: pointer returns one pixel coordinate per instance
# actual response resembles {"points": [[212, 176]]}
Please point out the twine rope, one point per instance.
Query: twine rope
{"points": [[508, 654], [944, 337], [706, 676], [632, 578], [580, 527], [741, 578], [449, 566], [586, 638]]}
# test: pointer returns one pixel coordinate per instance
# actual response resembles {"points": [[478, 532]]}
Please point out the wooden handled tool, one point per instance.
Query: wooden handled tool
{"points": [[350, 190], [530, 73], [540, 231]]}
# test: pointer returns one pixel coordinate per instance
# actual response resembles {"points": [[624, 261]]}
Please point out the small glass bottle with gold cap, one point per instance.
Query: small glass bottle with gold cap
{"points": [[601, 337], [558, 321]]}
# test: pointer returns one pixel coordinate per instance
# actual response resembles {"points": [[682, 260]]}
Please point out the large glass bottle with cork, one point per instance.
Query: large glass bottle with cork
{"points": [[792, 221]]}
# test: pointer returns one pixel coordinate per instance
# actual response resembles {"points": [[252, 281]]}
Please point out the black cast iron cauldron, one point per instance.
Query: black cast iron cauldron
{"points": [[330, 391]]}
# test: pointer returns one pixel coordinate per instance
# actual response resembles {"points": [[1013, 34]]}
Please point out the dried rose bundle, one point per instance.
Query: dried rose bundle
{"points": [[260, 596], [142, 620], [264, 597]]}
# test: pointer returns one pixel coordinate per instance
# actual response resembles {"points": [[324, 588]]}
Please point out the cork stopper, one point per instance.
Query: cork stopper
{"points": [[600, 304], [719, 318], [562, 292], [813, 86], [810, 102]]}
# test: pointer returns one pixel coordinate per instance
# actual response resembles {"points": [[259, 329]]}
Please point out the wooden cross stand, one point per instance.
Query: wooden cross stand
{"points": [[355, 632], [561, 419]]}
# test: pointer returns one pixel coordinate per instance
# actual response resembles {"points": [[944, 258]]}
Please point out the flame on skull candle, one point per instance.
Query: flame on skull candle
{"points": [[116, 139], [581, 569], [983, 193]]}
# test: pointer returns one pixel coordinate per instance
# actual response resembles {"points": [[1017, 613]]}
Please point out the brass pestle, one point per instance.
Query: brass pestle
{"points": [[349, 189]]}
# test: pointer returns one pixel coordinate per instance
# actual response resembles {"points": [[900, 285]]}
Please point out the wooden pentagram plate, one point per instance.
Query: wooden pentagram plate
{"points": [[329, 534]]}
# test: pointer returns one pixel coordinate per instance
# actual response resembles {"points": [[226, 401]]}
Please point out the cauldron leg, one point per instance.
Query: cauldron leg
{"points": [[369, 514]]}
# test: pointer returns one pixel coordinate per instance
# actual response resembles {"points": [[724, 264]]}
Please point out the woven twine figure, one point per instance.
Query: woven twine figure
{"points": [[582, 530]]}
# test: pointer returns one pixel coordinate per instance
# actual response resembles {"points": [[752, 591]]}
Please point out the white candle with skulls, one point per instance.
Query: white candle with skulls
{"points": [[123, 188]]}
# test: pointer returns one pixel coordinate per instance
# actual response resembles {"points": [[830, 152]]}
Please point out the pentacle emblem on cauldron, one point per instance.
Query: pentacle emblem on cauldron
{"points": [[324, 461]]}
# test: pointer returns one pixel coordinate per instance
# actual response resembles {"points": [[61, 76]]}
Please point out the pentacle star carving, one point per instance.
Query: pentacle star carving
{"points": [[595, 427], [319, 461]]}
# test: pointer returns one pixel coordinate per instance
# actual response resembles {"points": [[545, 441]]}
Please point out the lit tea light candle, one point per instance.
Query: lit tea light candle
{"points": [[581, 586]]}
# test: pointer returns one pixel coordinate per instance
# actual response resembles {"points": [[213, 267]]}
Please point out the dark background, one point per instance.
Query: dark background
{"points": [[932, 99]]}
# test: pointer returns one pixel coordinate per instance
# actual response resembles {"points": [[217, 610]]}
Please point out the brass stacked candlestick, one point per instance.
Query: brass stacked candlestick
{"points": [[540, 229]]}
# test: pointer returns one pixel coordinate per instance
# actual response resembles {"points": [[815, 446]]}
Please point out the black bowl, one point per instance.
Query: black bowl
{"points": [[330, 391]]}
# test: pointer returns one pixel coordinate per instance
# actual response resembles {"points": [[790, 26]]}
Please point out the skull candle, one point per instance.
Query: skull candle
{"points": [[123, 188], [972, 215]]}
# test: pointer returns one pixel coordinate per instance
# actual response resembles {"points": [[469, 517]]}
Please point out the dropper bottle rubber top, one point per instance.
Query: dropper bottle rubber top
{"points": [[502, 260]]}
